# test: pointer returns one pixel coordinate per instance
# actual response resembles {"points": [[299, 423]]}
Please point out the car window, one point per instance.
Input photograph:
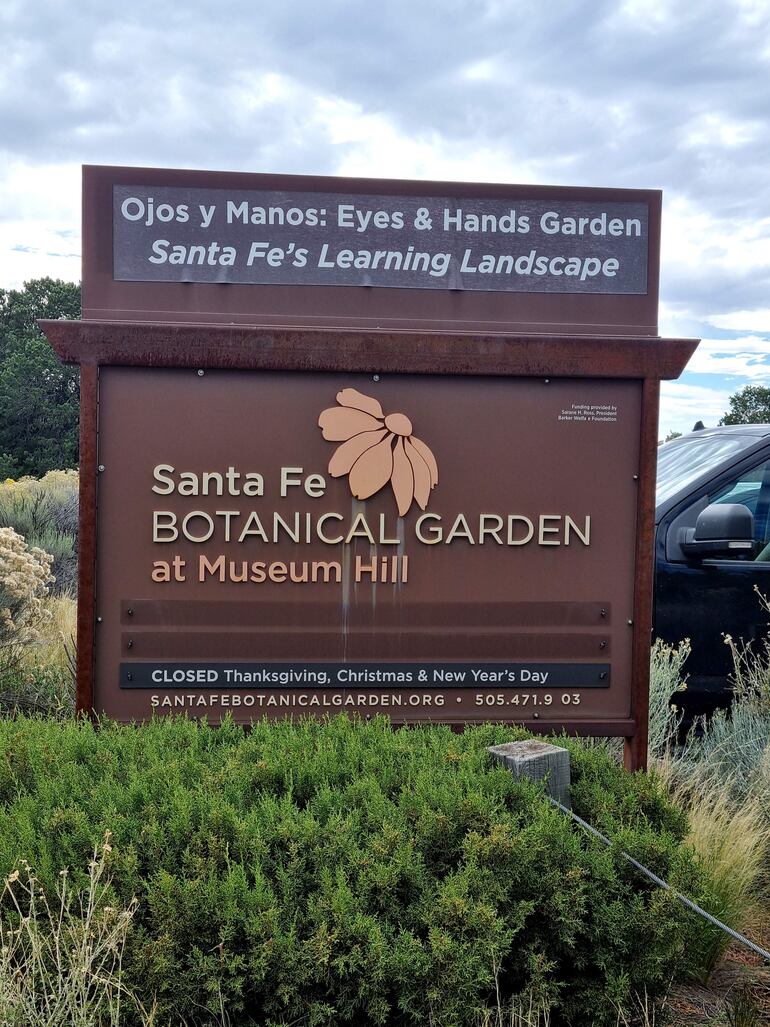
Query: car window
{"points": [[684, 460], [743, 492], [752, 489]]}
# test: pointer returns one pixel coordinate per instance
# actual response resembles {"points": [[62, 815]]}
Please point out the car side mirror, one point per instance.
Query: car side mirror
{"points": [[723, 529]]}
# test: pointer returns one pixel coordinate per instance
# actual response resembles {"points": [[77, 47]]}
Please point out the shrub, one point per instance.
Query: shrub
{"points": [[45, 512], [345, 873], [24, 577]]}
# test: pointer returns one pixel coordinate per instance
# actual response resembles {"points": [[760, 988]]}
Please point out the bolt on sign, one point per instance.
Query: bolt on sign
{"points": [[367, 446]]}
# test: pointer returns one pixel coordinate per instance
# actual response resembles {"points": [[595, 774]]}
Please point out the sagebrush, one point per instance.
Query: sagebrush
{"points": [[45, 511], [667, 679], [25, 574], [38, 569]]}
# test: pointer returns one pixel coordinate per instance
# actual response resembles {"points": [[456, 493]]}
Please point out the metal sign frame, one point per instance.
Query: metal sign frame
{"points": [[94, 344]]}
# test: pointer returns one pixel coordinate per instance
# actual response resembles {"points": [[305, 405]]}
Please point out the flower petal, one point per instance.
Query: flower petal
{"points": [[342, 423], [357, 400], [372, 470], [347, 454], [421, 474], [428, 457], [402, 478]]}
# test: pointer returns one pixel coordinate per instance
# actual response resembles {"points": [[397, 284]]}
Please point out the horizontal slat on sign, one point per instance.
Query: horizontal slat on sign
{"points": [[448, 643], [256, 614]]}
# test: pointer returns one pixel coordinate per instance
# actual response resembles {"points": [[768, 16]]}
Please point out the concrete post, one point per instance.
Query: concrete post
{"points": [[538, 761]]}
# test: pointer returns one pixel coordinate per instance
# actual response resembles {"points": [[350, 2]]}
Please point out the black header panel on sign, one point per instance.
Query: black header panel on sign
{"points": [[175, 234]]}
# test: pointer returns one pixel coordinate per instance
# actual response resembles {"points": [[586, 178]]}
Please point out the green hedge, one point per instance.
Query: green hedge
{"points": [[347, 874]]}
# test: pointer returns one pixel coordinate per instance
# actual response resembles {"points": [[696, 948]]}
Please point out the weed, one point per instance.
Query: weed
{"points": [[741, 1008], [666, 679], [61, 961], [751, 666], [640, 1012], [521, 1012], [54, 648]]}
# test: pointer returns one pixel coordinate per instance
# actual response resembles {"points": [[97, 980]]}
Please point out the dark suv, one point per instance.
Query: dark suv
{"points": [[712, 550]]}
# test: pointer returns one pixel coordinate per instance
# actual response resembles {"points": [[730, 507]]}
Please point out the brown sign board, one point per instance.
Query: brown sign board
{"points": [[299, 250], [311, 489], [434, 549]]}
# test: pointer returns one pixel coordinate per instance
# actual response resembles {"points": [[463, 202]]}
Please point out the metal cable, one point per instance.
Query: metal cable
{"points": [[663, 884]]}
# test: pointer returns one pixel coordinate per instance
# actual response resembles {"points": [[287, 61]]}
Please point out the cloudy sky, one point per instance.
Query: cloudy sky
{"points": [[641, 93]]}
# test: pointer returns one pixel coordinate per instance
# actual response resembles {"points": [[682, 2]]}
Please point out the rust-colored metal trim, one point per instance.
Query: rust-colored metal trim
{"points": [[317, 349], [86, 620], [636, 747]]}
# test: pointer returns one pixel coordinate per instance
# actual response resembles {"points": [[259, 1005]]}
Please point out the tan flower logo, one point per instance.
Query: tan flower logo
{"points": [[368, 454]]}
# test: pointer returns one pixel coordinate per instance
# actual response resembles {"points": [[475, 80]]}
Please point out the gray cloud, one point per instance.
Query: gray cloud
{"points": [[578, 92]]}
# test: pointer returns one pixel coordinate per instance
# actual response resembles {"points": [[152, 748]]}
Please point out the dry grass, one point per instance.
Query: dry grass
{"points": [[735, 996], [56, 649], [732, 839], [60, 966], [43, 678], [643, 1013], [522, 1013]]}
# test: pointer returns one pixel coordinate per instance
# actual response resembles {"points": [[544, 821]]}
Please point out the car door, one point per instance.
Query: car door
{"points": [[705, 599]]}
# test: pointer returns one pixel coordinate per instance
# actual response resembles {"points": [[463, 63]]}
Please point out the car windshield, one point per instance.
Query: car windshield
{"points": [[684, 460]]}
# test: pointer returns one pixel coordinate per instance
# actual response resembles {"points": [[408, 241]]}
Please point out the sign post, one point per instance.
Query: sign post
{"points": [[384, 447]]}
